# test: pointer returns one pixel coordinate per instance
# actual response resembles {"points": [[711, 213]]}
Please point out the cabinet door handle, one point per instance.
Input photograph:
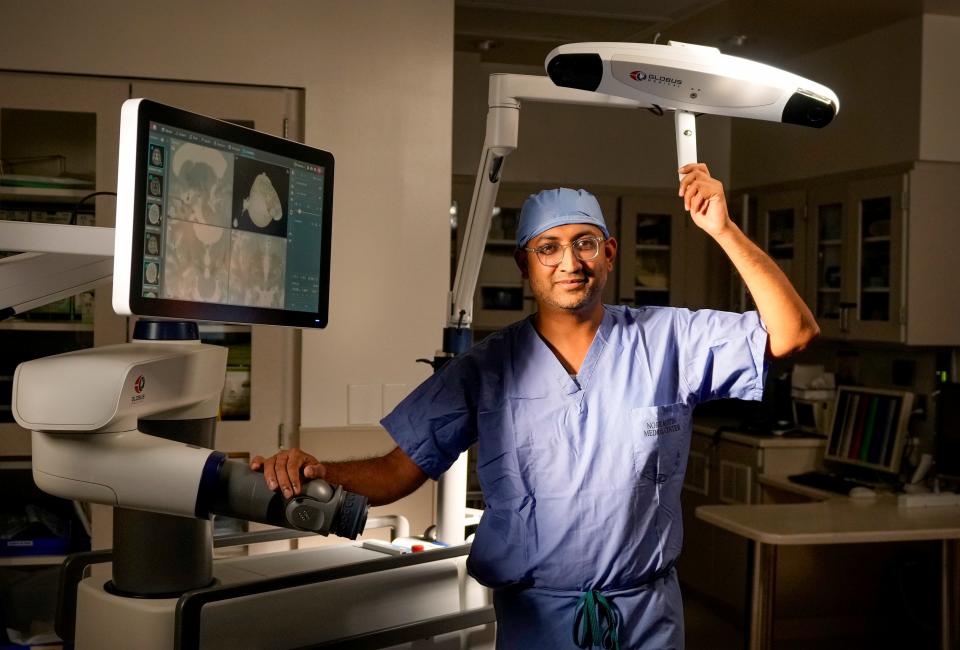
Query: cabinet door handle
{"points": [[844, 315]]}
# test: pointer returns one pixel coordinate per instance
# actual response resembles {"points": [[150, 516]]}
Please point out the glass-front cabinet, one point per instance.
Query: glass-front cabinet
{"points": [[854, 287], [58, 150], [59, 137], [829, 291], [877, 246], [652, 250], [841, 244], [781, 222]]}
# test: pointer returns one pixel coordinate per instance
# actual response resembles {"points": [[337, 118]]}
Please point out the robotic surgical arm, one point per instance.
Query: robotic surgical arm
{"points": [[86, 409]]}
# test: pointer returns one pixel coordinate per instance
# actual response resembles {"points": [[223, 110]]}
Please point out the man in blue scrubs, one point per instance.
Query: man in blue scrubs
{"points": [[582, 419]]}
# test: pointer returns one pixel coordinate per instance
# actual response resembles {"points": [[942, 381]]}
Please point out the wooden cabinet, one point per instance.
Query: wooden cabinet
{"points": [[855, 274], [857, 288], [58, 143], [725, 469], [869, 252], [75, 121], [652, 251], [59, 137], [877, 260], [782, 228], [830, 287]]}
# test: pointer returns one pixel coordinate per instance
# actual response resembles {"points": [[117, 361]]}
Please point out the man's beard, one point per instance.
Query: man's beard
{"points": [[545, 292]]}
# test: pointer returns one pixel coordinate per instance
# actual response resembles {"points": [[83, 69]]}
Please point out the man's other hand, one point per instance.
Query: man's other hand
{"points": [[283, 470]]}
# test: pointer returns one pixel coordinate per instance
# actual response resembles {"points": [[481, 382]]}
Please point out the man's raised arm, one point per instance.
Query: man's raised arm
{"points": [[790, 324]]}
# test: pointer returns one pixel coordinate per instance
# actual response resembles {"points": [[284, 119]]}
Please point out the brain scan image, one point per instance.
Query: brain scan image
{"points": [[155, 185], [263, 203], [223, 226], [261, 192], [152, 246], [201, 179], [256, 270], [156, 155], [197, 262], [151, 273], [153, 214]]}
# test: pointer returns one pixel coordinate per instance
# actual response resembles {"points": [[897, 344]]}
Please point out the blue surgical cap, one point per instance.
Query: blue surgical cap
{"points": [[559, 207]]}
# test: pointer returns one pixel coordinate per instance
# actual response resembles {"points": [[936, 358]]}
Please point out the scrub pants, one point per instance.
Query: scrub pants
{"points": [[651, 617]]}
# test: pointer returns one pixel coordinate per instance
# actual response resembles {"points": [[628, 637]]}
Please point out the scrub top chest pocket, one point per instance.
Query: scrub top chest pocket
{"points": [[659, 440]]}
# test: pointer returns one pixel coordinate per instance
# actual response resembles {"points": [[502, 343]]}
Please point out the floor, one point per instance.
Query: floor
{"points": [[707, 630]]}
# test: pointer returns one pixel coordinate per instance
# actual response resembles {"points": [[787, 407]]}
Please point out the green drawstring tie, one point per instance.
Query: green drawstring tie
{"points": [[596, 622]]}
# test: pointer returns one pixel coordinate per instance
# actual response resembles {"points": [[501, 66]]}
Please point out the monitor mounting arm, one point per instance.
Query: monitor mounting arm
{"points": [[55, 261]]}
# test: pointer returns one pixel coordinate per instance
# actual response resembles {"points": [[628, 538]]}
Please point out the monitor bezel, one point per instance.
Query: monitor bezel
{"points": [[901, 434], [136, 116]]}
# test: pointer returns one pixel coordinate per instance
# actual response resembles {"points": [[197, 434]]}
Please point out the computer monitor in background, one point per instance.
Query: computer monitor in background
{"points": [[947, 446], [810, 415], [218, 222], [868, 428]]}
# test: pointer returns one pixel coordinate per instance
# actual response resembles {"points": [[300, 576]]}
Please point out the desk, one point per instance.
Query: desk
{"points": [[839, 520]]}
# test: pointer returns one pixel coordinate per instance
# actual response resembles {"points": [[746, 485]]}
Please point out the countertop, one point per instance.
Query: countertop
{"points": [[839, 520], [706, 426]]}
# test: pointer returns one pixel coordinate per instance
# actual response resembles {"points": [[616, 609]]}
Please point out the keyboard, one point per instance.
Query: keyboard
{"points": [[827, 482]]}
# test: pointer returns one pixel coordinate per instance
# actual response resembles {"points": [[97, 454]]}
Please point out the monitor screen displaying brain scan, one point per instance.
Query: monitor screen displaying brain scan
{"points": [[219, 222]]}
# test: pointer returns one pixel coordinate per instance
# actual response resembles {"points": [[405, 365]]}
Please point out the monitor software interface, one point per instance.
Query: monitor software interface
{"points": [[228, 224], [869, 428]]}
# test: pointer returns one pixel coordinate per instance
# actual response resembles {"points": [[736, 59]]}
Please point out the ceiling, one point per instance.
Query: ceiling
{"points": [[524, 31]]}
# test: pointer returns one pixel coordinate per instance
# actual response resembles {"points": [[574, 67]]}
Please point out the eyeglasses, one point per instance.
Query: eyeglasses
{"points": [[551, 254]]}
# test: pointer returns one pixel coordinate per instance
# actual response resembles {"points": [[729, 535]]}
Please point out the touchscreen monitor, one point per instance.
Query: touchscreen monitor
{"points": [[218, 222]]}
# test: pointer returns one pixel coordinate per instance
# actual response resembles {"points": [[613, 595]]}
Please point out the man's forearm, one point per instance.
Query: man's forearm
{"points": [[790, 324], [382, 480]]}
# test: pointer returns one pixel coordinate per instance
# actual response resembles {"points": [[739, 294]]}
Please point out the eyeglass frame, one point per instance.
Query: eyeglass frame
{"points": [[563, 250]]}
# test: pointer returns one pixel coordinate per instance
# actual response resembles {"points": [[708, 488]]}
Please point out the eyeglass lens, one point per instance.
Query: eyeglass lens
{"points": [[585, 250]]}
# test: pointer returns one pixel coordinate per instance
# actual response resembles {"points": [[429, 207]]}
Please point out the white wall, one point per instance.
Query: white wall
{"points": [[939, 126], [378, 82], [582, 145], [877, 78]]}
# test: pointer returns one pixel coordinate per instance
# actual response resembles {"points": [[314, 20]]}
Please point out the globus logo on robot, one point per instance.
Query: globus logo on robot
{"points": [[640, 75], [138, 386]]}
